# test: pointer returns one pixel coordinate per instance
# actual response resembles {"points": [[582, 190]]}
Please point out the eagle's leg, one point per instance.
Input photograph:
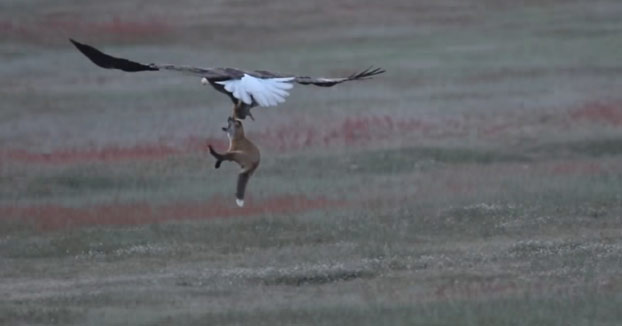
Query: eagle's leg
{"points": [[241, 110]]}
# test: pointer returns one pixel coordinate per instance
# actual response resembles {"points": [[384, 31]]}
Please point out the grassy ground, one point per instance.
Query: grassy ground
{"points": [[477, 182]]}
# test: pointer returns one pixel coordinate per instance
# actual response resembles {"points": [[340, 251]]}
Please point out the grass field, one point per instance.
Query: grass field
{"points": [[477, 182]]}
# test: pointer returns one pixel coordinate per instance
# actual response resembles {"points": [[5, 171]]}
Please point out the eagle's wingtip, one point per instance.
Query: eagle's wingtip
{"points": [[77, 44]]}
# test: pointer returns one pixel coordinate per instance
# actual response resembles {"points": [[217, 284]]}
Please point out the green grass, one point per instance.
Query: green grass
{"points": [[551, 311], [585, 147]]}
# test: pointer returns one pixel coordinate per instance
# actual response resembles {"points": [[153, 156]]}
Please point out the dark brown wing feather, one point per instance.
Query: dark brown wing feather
{"points": [[327, 82], [109, 62], [319, 81]]}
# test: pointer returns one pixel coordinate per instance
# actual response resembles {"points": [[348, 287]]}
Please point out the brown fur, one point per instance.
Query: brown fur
{"points": [[242, 151]]}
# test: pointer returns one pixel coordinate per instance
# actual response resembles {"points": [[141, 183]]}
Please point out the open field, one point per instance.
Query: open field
{"points": [[477, 182]]}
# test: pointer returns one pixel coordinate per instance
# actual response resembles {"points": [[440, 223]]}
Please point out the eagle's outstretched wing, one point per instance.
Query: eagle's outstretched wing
{"points": [[109, 62], [320, 81], [259, 87], [327, 82]]}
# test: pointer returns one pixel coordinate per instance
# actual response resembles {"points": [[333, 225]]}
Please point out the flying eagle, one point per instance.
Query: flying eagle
{"points": [[246, 89]]}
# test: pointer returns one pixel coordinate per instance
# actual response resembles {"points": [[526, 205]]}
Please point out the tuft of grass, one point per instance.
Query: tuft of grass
{"points": [[16, 314], [312, 277], [589, 147], [566, 309]]}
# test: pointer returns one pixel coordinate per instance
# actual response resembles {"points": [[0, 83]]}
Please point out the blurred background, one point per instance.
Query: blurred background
{"points": [[477, 182]]}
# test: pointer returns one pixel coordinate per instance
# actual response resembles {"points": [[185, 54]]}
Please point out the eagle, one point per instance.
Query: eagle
{"points": [[246, 89]]}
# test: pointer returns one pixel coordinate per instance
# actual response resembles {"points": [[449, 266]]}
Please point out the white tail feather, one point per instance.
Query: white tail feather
{"points": [[240, 202], [265, 92]]}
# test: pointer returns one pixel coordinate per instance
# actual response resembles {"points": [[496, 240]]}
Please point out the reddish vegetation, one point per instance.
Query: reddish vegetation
{"points": [[499, 128], [112, 153], [600, 112], [580, 168], [351, 131], [53, 217], [459, 187]]}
